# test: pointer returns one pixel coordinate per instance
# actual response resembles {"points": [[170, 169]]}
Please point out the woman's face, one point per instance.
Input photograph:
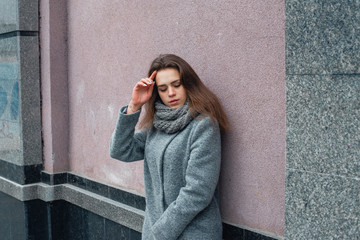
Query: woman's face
{"points": [[170, 89]]}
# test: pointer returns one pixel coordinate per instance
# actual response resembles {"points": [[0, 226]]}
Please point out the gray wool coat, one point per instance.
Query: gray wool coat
{"points": [[181, 173]]}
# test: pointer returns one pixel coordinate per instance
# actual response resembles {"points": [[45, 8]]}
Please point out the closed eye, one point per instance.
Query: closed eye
{"points": [[175, 84]]}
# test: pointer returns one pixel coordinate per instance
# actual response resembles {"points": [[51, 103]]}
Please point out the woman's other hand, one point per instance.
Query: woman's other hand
{"points": [[141, 93]]}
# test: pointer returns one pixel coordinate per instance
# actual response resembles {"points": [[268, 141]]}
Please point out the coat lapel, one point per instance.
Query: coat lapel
{"points": [[159, 143]]}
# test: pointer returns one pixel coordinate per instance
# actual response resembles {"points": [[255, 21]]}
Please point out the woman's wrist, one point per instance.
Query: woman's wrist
{"points": [[132, 108]]}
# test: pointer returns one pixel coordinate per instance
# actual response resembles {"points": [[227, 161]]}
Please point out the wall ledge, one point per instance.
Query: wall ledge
{"points": [[115, 211], [112, 203]]}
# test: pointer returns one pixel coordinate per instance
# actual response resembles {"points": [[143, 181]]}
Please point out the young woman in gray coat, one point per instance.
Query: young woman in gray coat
{"points": [[181, 148]]}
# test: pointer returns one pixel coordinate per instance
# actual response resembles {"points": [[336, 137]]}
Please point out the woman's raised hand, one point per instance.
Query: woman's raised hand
{"points": [[141, 93]]}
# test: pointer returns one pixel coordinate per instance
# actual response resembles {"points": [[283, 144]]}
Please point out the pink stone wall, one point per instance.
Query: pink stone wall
{"points": [[236, 47], [54, 85]]}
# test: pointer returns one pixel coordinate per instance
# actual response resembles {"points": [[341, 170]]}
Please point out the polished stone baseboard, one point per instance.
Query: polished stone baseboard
{"points": [[57, 220], [106, 206], [20, 174]]}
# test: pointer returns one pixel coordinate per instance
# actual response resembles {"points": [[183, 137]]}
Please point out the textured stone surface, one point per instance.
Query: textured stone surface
{"points": [[18, 15], [323, 119], [28, 15], [105, 207], [12, 218], [20, 120], [9, 70], [30, 100], [322, 36], [54, 85], [19, 173], [116, 231], [234, 233], [320, 206], [8, 15], [83, 208], [9, 59], [10, 143], [237, 49], [121, 213], [56, 220], [94, 226], [37, 222]]}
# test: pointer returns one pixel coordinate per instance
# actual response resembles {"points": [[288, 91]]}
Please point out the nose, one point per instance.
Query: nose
{"points": [[171, 92]]}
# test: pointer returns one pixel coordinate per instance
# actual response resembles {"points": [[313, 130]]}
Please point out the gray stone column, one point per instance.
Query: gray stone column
{"points": [[323, 119], [20, 120]]}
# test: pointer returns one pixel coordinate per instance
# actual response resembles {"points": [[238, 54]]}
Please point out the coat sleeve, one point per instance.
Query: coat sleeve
{"points": [[125, 144], [201, 178]]}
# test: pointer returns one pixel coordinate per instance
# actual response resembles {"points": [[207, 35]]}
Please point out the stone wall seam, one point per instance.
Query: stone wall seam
{"points": [[325, 174]]}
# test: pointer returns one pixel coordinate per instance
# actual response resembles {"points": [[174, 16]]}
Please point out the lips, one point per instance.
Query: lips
{"points": [[174, 102]]}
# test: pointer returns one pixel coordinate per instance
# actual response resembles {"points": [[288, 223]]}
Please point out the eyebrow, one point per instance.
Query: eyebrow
{"points": [[163, 85]]}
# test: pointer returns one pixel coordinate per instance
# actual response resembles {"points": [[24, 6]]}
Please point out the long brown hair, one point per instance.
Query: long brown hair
{"points": [[201, 99]]}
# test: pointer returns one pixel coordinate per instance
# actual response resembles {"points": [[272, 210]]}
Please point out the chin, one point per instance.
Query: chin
{"points": [[174, 107]]}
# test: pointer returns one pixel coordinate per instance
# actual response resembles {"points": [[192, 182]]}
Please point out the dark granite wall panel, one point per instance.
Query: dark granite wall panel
{"points": [[72, 222], [322, 206], [323, 119], [28, 15], [37, 220], [322, 37], [116, 194], [23, 220], [60, 220], [116, 231], [30, 100], [10, 127], [58, 212], [54, 179], [12, 218], [75, 223], [234, 233], [20, 174], [20, 119], [56, 221]]}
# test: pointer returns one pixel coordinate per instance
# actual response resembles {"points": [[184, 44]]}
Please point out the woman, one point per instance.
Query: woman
{"points": [[180, 145]]}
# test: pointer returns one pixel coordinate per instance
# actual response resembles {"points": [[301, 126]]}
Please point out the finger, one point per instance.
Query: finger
{"points": [[151, 87], [152, 76], [145, 82], [149, 81], [140, 84]]}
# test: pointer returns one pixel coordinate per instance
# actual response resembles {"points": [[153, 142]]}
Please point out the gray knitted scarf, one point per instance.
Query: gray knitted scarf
{"points": [[171, 120]]}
